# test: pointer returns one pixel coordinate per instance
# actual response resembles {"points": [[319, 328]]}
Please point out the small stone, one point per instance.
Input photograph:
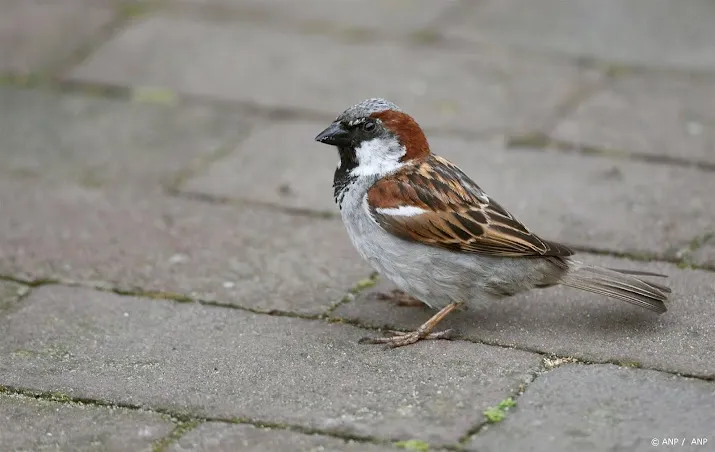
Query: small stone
{"points": [[695, 128], [285, 190], [178, 259]]}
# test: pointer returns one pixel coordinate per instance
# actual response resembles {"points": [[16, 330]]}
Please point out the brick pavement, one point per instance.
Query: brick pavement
{"points": [[173, 275]]}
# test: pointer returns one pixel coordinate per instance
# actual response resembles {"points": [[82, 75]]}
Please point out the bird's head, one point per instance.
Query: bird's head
{"points": [[375, 138]]}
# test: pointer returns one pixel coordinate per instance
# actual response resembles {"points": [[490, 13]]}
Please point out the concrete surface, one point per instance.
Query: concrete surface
{"points": [[173, 274]]}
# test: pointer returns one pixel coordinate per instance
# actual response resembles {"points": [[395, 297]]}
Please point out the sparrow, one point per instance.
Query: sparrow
{"points": [[427, 227]]}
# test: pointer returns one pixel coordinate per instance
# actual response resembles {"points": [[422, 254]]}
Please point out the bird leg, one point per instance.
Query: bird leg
{"points": [[400, 298], [400, 339]]}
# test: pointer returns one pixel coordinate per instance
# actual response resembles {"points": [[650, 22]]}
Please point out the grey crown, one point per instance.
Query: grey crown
{"points": [[366, 108]]}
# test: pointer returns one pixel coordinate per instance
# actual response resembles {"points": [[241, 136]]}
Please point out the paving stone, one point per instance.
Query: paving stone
{"points": [[37, 34], [651, 32], [35, 424], [280, 173], [224, 363], [217, 437], [570, 322], [605, 408], [594, 201], [10, 294], [651, 114], [104, 143], [482, 90], [241, 255], [386, 15]]}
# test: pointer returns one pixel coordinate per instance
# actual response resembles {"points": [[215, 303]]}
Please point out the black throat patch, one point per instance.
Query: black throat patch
{"points": [[342, 178]]}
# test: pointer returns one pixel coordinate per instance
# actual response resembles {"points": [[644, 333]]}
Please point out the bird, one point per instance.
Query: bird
{"points": [[422, 223]]}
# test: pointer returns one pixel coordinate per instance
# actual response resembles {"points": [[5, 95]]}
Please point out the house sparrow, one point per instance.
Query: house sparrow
{"points": [[426, 226]]}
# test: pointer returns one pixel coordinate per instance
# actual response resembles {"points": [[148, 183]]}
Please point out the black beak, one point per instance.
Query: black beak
{"points": [[334, 135]]}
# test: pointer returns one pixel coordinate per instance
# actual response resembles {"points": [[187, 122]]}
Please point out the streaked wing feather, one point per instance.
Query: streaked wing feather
{"points": [[457, 213]]}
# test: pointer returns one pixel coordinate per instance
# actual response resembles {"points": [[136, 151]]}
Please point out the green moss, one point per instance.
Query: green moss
{"points": [[59, 397], [155, 295], [89, 179], [180, 430], [617, 70], [507, 403], [135, 9], [610, 152], [494, 415], [29, 80], [497, 413], [108, 91], [413, 444], [685, 254], [531, 140], [154, 95], [168, 296], [426, 36], [697, 242], [365, 283]]}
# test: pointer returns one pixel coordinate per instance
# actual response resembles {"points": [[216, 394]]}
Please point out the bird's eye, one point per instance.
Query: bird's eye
{"points": [[368, 126]]}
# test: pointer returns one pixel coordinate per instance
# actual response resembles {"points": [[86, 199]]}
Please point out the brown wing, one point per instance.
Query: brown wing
{"points": [[457, 215]]}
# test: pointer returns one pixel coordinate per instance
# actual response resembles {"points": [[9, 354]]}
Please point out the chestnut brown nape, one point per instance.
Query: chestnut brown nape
{"points": [[408, 132]]}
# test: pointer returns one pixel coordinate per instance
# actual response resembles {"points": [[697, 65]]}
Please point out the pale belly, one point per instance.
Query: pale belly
{"points": [[435, 276]]}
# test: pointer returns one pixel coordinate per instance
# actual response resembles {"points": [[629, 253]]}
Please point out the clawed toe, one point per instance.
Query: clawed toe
{"points": [[401, 338], [383, 295], [399, 297]]}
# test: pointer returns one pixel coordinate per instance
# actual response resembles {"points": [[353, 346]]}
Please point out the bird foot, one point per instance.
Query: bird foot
{"points": [[399, 297], [400, 338]]}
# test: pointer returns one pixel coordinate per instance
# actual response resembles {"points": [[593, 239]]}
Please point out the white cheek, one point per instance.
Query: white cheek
{"points": [[378, 157]]}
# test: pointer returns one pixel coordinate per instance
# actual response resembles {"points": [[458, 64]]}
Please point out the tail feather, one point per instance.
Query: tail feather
{"points": [[620, 284], [660, 287]]}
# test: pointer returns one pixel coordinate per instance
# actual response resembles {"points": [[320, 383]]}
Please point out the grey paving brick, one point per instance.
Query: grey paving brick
{"points": [[569, 322], [279, 164], [36, 424], [653, 114], [231, 363], [476, 90], [605, 408], [101, 143], [242, 255], [218, 437], [10, 294], [652, 32], [594, 201], [36, 34], [390, 16]]}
